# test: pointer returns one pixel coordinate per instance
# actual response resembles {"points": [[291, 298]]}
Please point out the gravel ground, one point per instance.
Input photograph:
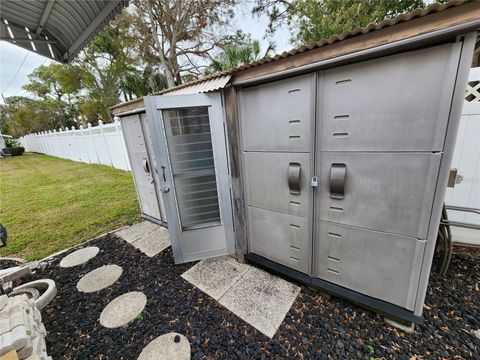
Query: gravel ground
{"points": [[313, 328], [7, 263]]}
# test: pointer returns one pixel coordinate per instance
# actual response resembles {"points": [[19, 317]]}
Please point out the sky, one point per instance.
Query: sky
{"points": [[13, 76]]}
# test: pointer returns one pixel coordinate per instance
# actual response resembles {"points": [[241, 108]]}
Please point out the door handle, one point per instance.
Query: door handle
{"points": [[338, 174], [163, 173], [294, 172], [146, 166]]}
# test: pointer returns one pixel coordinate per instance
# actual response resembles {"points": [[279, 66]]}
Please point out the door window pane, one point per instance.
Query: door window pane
{"points": [[189, 144]]}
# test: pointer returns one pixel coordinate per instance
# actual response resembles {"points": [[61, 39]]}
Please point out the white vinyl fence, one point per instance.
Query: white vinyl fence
{"points": [[102, 144], [466, 157]]}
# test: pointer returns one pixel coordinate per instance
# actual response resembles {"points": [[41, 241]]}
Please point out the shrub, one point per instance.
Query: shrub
{"points": [[17, 150], [11, 142]]}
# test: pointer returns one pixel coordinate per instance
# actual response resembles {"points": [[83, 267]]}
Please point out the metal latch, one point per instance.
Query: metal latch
{"points": [[314, 182], [452, 175]]}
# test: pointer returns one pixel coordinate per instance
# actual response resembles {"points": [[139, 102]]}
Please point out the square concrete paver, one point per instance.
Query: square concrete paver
{"points": [[261, 299], [257, 297], [146, 236], [154, 242], [136, 231], [215, 276]]}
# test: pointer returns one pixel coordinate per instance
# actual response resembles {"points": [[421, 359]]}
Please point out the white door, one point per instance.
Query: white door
{"points": [[188, 134], [142, 167]]}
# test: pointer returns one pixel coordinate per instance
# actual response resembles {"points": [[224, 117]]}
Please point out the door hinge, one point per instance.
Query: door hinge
{"points": [[314, 182]]}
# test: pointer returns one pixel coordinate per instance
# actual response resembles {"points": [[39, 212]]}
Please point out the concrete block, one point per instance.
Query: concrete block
{"points": [[153, 242], [261, 299], [136, 231], [216, 275], [409, 328]]}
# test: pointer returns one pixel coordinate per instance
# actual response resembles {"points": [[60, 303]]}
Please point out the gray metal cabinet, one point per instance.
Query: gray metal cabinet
{"points": [[142, 161], [277, 121], [379, 140]]}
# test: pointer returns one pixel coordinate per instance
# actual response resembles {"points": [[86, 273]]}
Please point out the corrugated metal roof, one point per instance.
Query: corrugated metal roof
{"points": [[198, 87], [421, 12], [67, 26]]}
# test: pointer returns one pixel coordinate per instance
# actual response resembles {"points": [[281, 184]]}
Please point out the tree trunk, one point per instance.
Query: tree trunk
{"points": [[168, 71]]}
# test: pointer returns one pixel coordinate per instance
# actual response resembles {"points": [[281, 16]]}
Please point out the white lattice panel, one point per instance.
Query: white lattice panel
{"points": [[473, 86]]}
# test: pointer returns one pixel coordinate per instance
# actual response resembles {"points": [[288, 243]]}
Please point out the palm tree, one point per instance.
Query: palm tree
{"points": [[235, 55]]}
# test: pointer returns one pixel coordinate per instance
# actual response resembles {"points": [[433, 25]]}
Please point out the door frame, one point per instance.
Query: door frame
{"points": [[214, 102]]}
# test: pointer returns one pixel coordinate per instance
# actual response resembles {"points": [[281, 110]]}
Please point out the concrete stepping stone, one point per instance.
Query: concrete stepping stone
{"points": [[261, 299], [147, 237], [123, 309], [257, 297], [99, 278], [216, 275], [136, 231], [167, 347], [154, 242], [79, 257]]}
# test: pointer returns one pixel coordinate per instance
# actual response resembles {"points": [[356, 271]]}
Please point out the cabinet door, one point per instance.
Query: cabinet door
{"points": [[391, 192], [373, 106], [384, 266], [268, 184], [280, 237], [277, 116], [277, 123]]}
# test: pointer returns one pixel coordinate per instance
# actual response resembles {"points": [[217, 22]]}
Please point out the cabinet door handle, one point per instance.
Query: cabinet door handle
{"points": [[294, 172], [163, 173], [146, 166], [338, 175]]}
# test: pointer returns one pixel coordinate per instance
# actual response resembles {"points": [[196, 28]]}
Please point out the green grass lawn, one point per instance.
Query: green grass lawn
{"points": [[48, 204]]}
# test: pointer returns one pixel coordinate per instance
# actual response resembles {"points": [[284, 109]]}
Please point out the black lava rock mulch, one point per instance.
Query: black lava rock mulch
{"points": [[7, 263], [314, 327]]}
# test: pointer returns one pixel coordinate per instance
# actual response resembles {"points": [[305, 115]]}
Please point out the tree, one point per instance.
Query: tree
{"points": [[104, 63], [136, 83], [180, 34], [238, 54], [21, 115], [313, 20], [58, 87]]}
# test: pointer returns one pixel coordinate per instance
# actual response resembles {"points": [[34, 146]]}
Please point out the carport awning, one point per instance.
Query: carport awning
{"points": [[58, 29]]}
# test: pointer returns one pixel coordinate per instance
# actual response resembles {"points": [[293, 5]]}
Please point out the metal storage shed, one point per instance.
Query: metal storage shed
{"points": [[338, 157]]}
